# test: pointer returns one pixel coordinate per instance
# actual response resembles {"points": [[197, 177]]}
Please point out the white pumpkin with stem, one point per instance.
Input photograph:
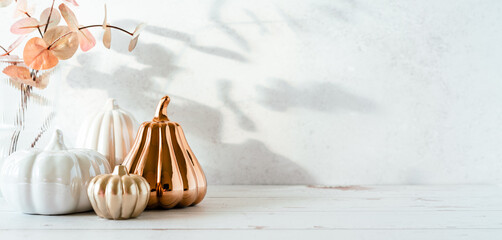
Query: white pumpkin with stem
{"points": [[53, 180], [110, 131]]}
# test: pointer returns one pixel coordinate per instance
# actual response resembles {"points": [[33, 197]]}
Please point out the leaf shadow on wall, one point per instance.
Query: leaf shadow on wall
{"points": [[215, 16], [245, 122], [190, 41], [132, 86], [248, 162], [280, 95]]}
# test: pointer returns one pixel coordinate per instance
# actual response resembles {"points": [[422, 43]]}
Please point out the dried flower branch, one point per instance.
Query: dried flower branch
{"points": [[50, 16], [45, 126], [43, 53], [59, 42]]}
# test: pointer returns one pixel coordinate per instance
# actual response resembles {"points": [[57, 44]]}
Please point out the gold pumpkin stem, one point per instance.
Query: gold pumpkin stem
{"points": [[161, 113], [120, 170]]}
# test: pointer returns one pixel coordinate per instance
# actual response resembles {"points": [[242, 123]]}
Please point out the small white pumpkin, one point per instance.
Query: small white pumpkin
{"points": [[110, 131], [53, 180]]}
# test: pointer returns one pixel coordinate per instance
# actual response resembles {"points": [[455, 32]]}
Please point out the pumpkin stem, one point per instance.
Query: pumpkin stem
{"points": [[56, 143], [161, 113], [120, 170], [111, 104]]}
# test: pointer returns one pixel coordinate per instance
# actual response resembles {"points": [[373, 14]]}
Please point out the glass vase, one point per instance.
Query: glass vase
{"points": [[27, 112]]}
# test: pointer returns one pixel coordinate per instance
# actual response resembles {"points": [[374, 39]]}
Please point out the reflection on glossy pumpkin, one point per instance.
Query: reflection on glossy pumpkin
{"points": [[161, 155]]}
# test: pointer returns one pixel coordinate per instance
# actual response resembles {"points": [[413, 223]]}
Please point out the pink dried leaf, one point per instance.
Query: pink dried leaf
{"points": [[62, 42], [17, 72], [105, 21], [133, 44], [135, 36], [72, 2], [15, 44], [20, 8], [107, 38], [55, 17], [23, 9], [5, 3], [86, 40], [24, 26], [21, 75], [10, 59], [69, 17], [37, 56], [138, 30]]}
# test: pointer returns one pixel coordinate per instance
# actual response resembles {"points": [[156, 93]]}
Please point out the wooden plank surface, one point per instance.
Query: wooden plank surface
{"points": [[295, 212]]}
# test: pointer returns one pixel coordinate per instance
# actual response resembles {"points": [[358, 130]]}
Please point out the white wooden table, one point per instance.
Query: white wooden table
{"points": [[291, 212]]}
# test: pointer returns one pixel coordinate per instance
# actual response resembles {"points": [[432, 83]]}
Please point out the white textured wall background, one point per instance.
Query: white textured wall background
{"points": [[326, 92]]}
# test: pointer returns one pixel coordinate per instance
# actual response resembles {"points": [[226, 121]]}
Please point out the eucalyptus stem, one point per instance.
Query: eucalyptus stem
{"points": [[38, 27], [110, 26], [90, 26], [5, 50], [49, 18]]}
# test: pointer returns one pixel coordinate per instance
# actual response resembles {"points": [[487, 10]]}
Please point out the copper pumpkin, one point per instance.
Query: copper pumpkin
{"points": [[161, 155]]}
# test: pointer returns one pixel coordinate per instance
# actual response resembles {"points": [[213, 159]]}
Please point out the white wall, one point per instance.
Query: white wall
{"points": [[314, 92]]}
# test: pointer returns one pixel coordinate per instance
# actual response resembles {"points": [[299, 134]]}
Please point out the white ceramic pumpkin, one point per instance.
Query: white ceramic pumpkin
{"points": [[53, 180], [110, 131], [5, 134]]}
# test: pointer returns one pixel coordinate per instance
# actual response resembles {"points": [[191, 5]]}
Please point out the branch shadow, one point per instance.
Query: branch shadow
{"points": [[256, 20], [245, 122], [189, 40], [125, 83], [248, 162], [319, 96], [215, 16]]}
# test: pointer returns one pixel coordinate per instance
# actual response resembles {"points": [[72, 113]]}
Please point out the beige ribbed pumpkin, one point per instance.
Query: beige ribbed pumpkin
{"points": [[110, 131], [118, 195]]}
